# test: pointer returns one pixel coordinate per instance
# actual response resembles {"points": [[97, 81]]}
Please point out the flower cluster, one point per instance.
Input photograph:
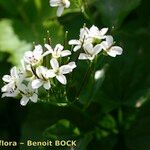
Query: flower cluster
{"points": [[35, 74], [92, 41], [26, 81]]}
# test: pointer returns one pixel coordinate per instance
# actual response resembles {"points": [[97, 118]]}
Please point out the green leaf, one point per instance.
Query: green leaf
{"points": [[113, 12], [138, 137], [10, 42]]}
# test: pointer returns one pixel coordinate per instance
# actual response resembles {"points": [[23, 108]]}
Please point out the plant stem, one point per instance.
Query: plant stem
{"points": [[84, 80]]}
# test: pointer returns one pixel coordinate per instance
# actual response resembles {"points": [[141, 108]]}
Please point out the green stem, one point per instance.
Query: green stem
{"points": [[66, 40], [84, 80]]}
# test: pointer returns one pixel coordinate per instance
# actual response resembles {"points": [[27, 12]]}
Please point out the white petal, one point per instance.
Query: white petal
{"points": [[60, 10], [24, 101], [13, 72], [7, 78], [65, 53], [22, 87], [74, 42], [62, 79], [4, 95], [84, 33], [94, 30], [41, 71], [104, 45], [28, 56], [30, 88], [67, 3], [97, 49], [54, 3], [47, 85], [46, 53], [38, 50], [72, 65], [88, 48], [14, 94], [49, 48], [54, 63], [58, 48], [34, 98], [109, 40], [103, 31], [4, 88], [50, 74], [36, 83], [111, 53], [115, 50], [83, 56], [76, 48], [65, 69]]}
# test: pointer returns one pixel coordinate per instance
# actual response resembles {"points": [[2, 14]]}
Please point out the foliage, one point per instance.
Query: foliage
{"points": [[113, 113]]}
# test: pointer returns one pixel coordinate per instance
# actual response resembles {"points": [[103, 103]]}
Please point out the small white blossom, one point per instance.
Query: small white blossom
{"points": [[58, 51], [27, 71], [27, 94], [15, 77], [42, 79], [9, 90], [95, 33], [90, 51], [87, 36], [109, 48], [61, 4], [82, 39], [59, 72], [34, 57]]}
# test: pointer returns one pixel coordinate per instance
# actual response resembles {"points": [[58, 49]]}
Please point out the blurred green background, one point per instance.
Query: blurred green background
{"points": [[114, 117]]}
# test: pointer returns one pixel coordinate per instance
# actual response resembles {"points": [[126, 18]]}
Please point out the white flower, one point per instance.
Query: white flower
{"points": [[58, 51], [95, 33], [9, 90], [27, 71], [42, 79], [14, 78], [88, 36], [59, 72], [34, 57], [82, 40], [109, 48], [27, 94], [61, 4], [90, 51]]}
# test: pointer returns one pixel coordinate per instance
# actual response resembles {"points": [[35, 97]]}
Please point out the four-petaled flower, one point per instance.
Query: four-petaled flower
{"points": [[59, 72], [61, 4], [95, 34], [28, 93], [15, 77], [58, 51], [9, 90], [82, 39], [109, 48], [92, 35], [41, 79], [90, 51], [34, 57]]}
